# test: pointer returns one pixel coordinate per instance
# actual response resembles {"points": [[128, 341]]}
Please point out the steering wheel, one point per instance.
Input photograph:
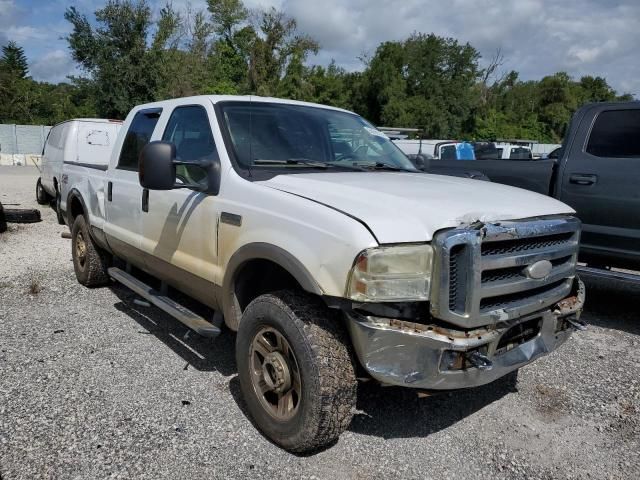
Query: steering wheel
{"points": [[346, 156]]}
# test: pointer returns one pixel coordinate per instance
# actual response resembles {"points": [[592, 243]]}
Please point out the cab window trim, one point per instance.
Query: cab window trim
{"points": [[145, 111]]}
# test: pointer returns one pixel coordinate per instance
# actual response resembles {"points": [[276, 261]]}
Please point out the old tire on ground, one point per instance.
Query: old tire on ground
{"points": [[58, 210], [295, 370], [22, 215], [3, 222], [42, 197], [90, 262]]}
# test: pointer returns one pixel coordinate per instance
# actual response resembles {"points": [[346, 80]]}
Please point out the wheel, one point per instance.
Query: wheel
{"points": [[59, 215], [42, 197], [22, 215], [90, 262], [295, 370], [3, 221]]}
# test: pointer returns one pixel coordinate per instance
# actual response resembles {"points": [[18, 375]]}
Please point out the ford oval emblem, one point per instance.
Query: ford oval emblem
{"points": [[538, 270]]}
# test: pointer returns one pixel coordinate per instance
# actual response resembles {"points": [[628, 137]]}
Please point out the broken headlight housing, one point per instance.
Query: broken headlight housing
{"points": [[391, 274]]}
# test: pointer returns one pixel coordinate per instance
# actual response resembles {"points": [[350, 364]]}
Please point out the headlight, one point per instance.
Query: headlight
{"points": [[391, 274]]}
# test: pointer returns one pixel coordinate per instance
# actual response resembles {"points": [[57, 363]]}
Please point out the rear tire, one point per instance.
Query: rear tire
{"points": [[90, 262], [42, 197], [3, 221], [58, 210], [306, 341]]}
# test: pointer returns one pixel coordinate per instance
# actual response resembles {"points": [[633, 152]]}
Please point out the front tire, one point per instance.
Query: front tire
{"points": [[295, 370], [42, 197], [90, 262]]}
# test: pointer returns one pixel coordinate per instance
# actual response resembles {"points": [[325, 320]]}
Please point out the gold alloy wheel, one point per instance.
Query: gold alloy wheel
{"points": [[81, 250], [275, 375]]}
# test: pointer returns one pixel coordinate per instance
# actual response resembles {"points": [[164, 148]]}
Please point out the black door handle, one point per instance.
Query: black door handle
{"points": [[583, 179], [145, 200], [109, 191]]}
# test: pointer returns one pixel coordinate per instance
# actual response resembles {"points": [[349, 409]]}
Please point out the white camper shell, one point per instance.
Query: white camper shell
{"points": [[79, 141]]}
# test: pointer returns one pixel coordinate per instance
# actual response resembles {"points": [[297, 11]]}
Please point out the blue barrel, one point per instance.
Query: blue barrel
{"points": [[464, 151]]}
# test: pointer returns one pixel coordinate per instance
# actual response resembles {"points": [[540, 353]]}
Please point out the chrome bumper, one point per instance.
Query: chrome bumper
{"points": [[396, 352]]}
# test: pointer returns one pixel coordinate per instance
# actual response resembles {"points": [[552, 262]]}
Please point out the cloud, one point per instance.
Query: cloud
{"points": [[25, 33], [537, 37], [54, 66], [8, 16]]}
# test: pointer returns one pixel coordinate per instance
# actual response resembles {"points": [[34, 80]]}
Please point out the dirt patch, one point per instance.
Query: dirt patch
{"points": [[551, 402]]}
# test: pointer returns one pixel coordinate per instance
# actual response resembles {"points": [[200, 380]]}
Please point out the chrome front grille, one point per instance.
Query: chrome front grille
{"points": [[480, 275]]}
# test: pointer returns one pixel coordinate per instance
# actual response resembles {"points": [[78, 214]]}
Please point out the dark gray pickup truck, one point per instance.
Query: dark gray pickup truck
{"points": [[597, 172]]}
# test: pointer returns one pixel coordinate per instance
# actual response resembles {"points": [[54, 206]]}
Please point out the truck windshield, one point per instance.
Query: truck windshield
{"points": [[294, 137]]}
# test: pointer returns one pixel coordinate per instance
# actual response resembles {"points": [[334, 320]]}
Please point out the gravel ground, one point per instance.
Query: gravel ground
{"points": [[94, 386]]}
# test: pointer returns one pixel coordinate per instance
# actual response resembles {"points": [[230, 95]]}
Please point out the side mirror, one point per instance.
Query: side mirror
{"points": [[156, 167]]}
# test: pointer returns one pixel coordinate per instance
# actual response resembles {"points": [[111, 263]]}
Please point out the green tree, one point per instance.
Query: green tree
{"points": [[426, 81], [227, 17], [14, 60], [180, 54], [228, 62], [595, 89], [557, 101], [116, 54], [276, 46], [331, 86]]}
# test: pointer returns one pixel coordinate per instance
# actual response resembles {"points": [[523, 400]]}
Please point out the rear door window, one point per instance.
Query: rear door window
{"points": [[448, 152], [138, 135], [53, 140], [56, 140], [520, 153], [616, 133]]}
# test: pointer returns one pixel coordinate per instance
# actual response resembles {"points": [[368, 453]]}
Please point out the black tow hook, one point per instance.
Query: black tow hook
{"points": [[577, 324], [478, 360]]}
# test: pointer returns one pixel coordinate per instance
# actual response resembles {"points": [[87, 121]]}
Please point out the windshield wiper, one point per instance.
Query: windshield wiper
{"points": [[290, 161], [305, 162], [383, 166]]}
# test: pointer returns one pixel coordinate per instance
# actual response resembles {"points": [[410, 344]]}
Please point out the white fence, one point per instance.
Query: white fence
{"points": [[22, 144]]}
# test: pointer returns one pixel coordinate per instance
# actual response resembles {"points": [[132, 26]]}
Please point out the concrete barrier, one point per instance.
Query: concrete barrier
{"points": [[21, 145], [20, 159]]}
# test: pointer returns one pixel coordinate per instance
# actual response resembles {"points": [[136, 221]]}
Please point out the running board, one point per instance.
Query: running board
{"points": [[608, 274], [193, 321]]}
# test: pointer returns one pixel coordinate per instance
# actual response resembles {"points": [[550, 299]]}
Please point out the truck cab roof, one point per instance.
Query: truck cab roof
{"points": [[236, 98]]}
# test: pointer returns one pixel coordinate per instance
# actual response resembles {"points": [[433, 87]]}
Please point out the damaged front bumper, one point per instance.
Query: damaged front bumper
{"points": [[397, 352]]}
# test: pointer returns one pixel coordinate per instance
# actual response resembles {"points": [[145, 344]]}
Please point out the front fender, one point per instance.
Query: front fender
{"points": [[261, 251]]}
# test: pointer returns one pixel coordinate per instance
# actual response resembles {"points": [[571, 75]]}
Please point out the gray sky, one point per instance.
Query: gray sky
{"points": [[537, 37]]}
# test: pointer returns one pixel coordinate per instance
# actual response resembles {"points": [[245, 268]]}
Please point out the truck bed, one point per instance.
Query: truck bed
{"points": [[534, 175]]}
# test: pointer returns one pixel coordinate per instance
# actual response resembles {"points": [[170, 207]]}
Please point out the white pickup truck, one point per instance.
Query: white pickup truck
{"points": [[313, 236]]}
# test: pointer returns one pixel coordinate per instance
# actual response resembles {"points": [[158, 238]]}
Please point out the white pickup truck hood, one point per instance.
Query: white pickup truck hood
{"points": [[410, 207]]}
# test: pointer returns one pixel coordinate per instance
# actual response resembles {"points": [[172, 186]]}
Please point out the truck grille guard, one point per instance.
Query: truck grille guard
{"points": [[490, 272]]}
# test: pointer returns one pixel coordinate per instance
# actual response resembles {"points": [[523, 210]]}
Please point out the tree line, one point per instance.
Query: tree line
{"points": [[128, 57]]}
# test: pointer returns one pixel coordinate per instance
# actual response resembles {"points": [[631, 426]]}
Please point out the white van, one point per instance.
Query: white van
{"points": [[85, 141]]}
